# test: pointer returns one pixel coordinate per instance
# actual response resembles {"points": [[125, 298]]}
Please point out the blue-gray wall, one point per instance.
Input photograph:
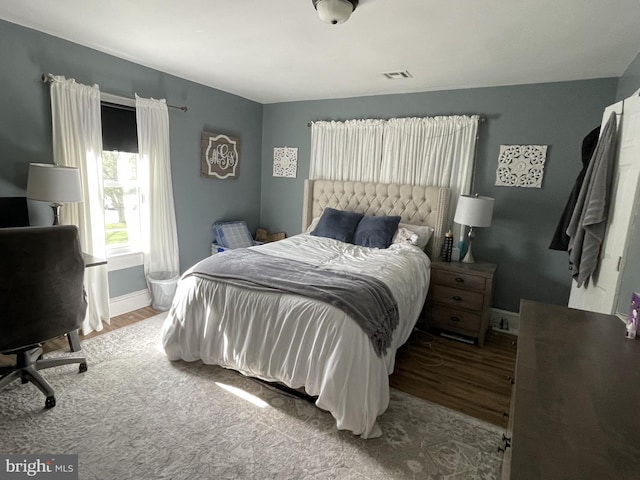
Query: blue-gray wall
{"points": [[25, 133], [630, 81], [554, 114]]}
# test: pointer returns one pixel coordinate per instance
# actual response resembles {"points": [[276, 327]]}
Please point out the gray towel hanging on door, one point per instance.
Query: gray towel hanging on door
{"points": [[560, 240], [589, 220]]}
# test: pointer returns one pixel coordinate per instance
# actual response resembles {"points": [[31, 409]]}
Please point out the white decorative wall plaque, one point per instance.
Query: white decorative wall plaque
{"points": [[285, 162], [521, 165]]}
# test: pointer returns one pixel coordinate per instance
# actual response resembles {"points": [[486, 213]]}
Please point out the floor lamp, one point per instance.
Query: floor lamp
{"points": [[54, 183], [473, 211]]}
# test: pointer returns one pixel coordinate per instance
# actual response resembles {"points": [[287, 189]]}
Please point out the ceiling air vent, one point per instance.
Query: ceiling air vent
{"points": [[397, 75]]}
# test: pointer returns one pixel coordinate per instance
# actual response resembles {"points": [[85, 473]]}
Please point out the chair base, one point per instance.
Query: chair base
{"points": [[28, 362]]}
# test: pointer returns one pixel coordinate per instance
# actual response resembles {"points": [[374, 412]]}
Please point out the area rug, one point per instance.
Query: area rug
{"points": [[136, 415]]}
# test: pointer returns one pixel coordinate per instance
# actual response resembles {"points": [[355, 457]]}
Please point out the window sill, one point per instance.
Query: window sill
{"points": [[124, 260]]}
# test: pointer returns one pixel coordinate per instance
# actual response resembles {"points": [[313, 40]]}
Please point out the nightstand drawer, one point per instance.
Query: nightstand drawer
{"points": [[458, 280], [458, 298], [447, 318]]}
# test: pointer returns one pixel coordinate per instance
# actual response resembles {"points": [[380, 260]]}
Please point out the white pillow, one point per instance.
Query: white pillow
{"points": [[404, 235], [424, 233], [314, 224]]}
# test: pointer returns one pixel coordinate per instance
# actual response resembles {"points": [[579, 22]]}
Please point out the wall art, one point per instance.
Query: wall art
{"points": [[285, 162], [220, 156], [521, 165]]}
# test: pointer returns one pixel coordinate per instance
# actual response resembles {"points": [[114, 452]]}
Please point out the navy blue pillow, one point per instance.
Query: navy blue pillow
{"points": [[337, 224], [376, 232]]}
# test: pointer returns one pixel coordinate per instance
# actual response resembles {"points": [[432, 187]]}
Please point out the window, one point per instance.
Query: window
{"points": [[121, 201], [120, 167]]}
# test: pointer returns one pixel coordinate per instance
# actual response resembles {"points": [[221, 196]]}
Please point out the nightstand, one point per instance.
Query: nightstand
{"points": [[459, 299]]}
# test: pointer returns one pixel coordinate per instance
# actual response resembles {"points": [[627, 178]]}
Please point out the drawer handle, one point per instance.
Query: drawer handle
{"points": [[457, 298], [454, 319], [459, 280]]}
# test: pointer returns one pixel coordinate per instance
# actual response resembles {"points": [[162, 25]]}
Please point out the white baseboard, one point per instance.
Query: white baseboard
{"points": [[129, 302], [505, 321]]}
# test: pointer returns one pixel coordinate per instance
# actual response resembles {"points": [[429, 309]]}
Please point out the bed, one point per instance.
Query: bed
{"points": [[306, 343]]}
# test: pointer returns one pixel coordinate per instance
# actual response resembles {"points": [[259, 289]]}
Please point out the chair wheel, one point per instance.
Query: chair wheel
{"points": [[51, 402], [83, 367]]}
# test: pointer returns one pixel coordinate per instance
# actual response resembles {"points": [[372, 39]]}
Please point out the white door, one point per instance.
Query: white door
{"points": [[601, 294]]}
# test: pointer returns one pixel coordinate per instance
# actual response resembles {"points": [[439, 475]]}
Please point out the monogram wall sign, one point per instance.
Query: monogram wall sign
{"points": [[220, 156]]}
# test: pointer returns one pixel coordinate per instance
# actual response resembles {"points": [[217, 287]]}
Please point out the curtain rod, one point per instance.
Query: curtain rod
{"points": [[482, 118], [109, 97]]}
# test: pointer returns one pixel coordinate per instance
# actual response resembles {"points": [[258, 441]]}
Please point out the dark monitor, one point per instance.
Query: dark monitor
{"points": [[14, 212]]}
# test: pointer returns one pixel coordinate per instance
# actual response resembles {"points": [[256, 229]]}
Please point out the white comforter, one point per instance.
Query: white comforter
{"points": [[298, 341]]}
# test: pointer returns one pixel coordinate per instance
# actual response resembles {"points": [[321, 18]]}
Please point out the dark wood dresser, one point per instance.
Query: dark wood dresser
{"points": [[575, 410]]}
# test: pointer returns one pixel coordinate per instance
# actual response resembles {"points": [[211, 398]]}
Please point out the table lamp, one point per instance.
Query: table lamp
{"points": [[54, 183], [473, 211]]}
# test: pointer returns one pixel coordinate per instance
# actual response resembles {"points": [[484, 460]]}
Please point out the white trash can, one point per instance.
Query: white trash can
{"points": [[163, 287]]}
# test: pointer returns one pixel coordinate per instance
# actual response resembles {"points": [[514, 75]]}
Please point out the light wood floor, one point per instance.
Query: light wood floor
{"points": [[466, 378]]}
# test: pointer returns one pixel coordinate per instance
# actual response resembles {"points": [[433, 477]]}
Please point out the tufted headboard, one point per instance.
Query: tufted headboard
{"points": [[415, 204]]}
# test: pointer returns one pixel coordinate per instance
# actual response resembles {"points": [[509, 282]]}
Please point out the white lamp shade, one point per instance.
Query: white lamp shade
{"points": [[53, 183], [474, 211], [334, 11]]}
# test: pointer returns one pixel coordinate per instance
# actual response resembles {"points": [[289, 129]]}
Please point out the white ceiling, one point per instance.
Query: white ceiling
{"points": [[278, 50]]}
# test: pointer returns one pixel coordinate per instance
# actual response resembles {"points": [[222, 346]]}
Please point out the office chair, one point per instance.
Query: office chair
{"points": [[41, 298]]}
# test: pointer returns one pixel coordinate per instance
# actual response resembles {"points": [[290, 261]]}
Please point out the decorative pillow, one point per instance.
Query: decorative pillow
{"points": [[404, 235], [424, 233], [314, 224], [337, 224], [376, 232]]}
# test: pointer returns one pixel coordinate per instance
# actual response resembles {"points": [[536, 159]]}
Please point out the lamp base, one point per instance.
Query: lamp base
{"points": [[468, 258], [56, 212]]}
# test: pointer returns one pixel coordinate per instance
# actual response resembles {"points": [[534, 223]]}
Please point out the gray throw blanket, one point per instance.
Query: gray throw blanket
{"points": [[365, 299], [589, 220]]}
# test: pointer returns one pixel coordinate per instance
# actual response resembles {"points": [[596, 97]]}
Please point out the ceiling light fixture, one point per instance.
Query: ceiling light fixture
{"points": [[398, 75], [334, 11]]}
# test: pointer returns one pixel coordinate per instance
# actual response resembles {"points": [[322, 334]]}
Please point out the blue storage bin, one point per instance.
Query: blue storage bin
{"points": [[233, 234]]}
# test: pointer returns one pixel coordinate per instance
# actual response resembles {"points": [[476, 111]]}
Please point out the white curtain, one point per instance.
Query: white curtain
{"points": [[349, 150], [160, 236], [431, 151], [77, 142], [424, 151]]}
